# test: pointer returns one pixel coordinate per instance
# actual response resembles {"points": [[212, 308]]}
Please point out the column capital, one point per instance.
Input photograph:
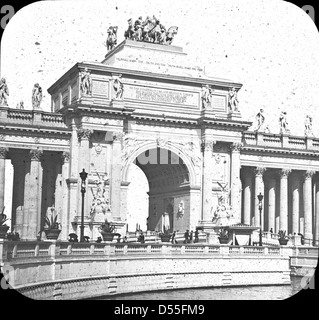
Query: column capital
{"points": [[3, 152], [84, 134], [65, 157], [259, 171], [236, 146], [284, 173], [117, 136], [308, 174], [207, 145], [35, 154]]}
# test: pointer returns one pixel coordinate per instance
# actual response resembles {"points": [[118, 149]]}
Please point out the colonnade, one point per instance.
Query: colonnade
{"points": [[291, 200]]}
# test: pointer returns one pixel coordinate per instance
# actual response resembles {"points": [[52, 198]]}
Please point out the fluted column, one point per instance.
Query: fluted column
{"points": [[308, 203], [317, 210], [295, 204], [116, 175], [247, 197], [207, 177], [283, 215], [65, 216], [271, 203], [3, 155], [235, 180], [259, 188], [31, 221]]}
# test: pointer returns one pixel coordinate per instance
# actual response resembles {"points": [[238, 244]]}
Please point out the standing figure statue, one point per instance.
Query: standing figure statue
{"points": [[308, 125], [233, 101], [118, 88], [283, 122], [20, 105], [36, 96], [129, 33], [261, 125], [138, 28], [85, 82], [111, 40], [4, 92], [206, 96]]}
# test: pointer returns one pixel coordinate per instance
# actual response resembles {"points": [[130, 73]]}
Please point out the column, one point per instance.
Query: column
{"points": [[207, 177], [308, 203], [317, 210], [116, 175], [31, 225], [259, 188], [235, 180], [283, 214], [271, 203], [295, 204], [3, 155], [65, 215], [18, 191], [247, 197]]}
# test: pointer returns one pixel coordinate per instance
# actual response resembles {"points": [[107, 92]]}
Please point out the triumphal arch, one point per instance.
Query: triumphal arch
{"points": [[146, 106]]}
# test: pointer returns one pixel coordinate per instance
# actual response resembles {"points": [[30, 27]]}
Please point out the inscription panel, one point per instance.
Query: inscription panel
{"points": [[100, 88], [218, 103], [162, 96]]}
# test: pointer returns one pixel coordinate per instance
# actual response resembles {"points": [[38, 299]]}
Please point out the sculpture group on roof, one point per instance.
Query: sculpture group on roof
{"points": [[150, 30]]}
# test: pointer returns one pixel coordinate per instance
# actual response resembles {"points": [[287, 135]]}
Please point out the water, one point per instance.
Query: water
{"points": [[279, 292]]}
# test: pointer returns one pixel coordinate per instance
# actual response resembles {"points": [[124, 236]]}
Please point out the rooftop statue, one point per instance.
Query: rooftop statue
{"points": [[20, 105], [149, 30], [206, 96], [261, 125], [308, 126], [4, 92], [36, 96], [111, 40], [283, 122]]}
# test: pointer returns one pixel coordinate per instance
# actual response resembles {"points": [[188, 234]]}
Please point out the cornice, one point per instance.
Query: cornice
{"points": [[280, 151]]}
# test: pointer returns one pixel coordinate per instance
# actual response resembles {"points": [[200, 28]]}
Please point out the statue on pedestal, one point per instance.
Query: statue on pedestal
{"points": [[261, 125], [233, 101], [36, 97], [283, 122], [308, 126], [4, 92], [85, 82]]}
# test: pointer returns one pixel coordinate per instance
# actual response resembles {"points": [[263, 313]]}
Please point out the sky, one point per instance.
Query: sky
{"points": [[270, 46]]}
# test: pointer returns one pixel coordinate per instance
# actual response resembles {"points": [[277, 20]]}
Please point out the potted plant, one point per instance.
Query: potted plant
{"points": [[51, 227], [106, 230], [283, 239], [3, 227], [165, 236], [223, 236]]}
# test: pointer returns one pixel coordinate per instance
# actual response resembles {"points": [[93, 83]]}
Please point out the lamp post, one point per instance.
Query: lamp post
{"points": [[260, 198], [83, 176]]}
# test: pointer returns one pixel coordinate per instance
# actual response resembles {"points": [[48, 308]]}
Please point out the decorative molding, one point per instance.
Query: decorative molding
{"points": [[2, 137], [207, 145], [35, 154], [98, 148], [3, 152]]}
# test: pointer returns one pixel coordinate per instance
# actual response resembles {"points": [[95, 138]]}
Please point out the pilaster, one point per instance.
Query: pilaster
{"points": [[271, 203], [247, 196], [295, 204], [259, 188], [308, 203], [3, 155]]}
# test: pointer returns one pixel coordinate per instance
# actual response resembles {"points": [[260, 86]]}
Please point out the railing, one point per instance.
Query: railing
{"points": [[48, 249], [280, 141]]}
